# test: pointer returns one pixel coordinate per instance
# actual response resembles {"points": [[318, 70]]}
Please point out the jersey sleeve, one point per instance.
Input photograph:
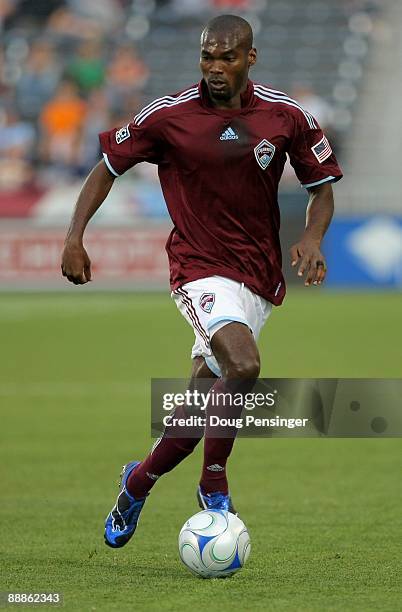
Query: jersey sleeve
{"points": [[310, 153], [124, 147]]}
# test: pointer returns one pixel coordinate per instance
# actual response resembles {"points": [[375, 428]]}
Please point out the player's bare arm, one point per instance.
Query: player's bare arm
{"points": [[308, 250], [75, 263]]}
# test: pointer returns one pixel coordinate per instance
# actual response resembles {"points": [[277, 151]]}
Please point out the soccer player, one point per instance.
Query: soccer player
{"points": [[220, 146]]}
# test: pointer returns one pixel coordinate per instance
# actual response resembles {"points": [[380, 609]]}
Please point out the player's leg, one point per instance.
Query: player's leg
{"points": [[196, 301], [138, 478], [227, 317], [169, 450], [236, 352]]}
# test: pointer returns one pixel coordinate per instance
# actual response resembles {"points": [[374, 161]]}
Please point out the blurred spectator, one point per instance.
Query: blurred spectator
{"points": [[7, 8], [97, 121], [106, 12], [126, 74], [314, 104], [54, 74], [27, 13], [61, 57], [87, 67], [3, 84], [320, 109], [66, 26], [61, 121], [16, 144], [132, 106], [190, 7], [39, 79]]}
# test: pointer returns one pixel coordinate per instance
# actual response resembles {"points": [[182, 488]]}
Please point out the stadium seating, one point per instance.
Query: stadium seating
{"points": [[319, 46]]}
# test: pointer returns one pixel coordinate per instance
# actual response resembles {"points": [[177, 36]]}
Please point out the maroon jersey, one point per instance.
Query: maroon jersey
{"points": [[219, 171]]}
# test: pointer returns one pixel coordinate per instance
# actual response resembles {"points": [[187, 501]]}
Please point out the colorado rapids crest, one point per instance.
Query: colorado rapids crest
{"points": [[264, 153]]}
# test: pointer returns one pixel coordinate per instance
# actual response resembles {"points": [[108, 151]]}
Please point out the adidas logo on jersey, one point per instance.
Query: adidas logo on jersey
{"points": [[229, 134]]}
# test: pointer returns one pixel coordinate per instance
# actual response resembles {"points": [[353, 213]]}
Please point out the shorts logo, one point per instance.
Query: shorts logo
{"points": [[207, 301], [122, 134], [264, 153]]}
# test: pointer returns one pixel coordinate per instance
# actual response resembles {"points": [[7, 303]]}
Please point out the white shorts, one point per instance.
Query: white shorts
{"points": [[209, 304]]}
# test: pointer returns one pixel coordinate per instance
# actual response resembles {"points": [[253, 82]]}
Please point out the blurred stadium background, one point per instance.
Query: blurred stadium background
{"points": [[72, 68]]}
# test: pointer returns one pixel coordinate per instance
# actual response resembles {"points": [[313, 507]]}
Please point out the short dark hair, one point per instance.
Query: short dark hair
{"points": [[231, 24]]}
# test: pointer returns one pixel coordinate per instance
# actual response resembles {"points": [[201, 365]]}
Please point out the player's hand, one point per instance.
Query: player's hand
{"points": [[75, 263], [307, 253]]}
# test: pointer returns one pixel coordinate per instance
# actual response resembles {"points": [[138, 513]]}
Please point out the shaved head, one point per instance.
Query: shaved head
{"points": [[229, 27], [227, 54]]}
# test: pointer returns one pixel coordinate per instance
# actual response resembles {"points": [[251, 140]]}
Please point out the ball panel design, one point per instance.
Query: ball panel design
{"points": [[235, 524], [214, 543], [207, 522], [247, 553], [244, 546], [190, 553], [219, 552]]}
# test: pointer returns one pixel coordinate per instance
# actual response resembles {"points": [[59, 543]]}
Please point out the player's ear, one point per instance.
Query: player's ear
{"points": [[252, 57]]}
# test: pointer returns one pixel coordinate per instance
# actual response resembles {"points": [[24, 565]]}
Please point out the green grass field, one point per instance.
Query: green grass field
{"points": [[324, 514]]}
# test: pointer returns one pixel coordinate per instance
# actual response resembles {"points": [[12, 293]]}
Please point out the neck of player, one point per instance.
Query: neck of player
{"points": [[233, 103]]}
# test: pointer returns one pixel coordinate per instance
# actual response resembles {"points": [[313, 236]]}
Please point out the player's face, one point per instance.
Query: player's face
{"points": [[224, 65]]}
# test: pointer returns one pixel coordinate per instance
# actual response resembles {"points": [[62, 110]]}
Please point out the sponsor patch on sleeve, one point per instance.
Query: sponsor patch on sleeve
{"points": [[322, 150], [122, 134]]}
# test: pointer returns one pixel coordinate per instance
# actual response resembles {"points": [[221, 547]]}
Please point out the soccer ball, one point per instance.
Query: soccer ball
{"points": [[214, 543]]}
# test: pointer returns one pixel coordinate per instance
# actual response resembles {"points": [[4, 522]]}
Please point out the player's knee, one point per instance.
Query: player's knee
{"points": [[200, 369], [243, 369]]}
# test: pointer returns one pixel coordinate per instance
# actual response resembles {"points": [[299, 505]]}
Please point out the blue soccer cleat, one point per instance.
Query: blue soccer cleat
{"points": [[122, 521], [215, 501]]}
